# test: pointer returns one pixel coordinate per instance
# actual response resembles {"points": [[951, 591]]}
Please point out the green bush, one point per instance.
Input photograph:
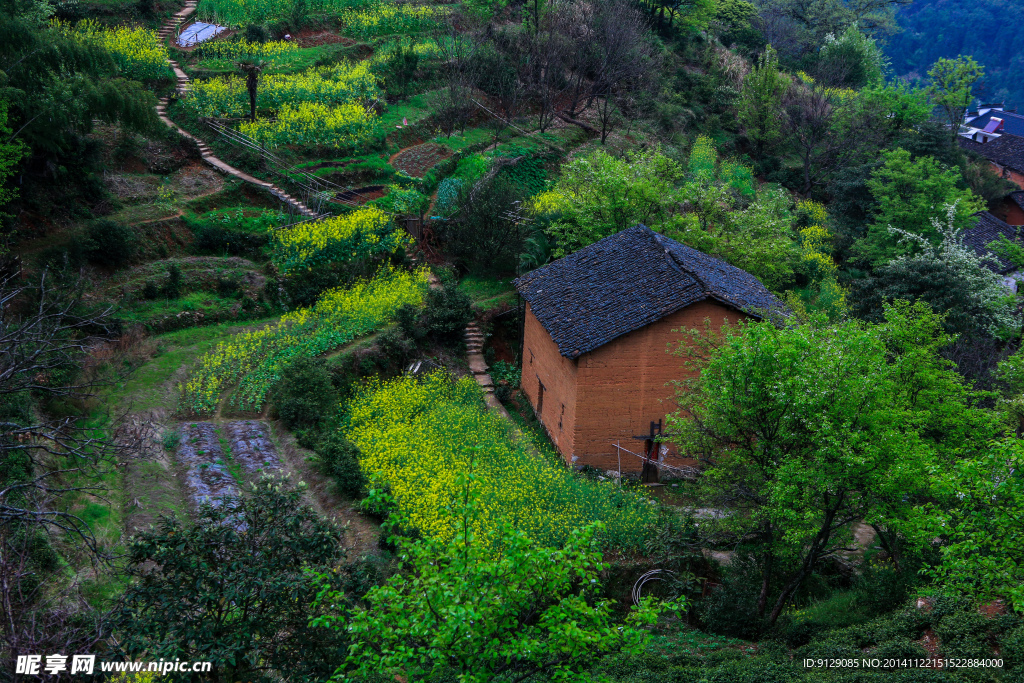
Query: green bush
{"points": [[110, 243], [340, 458], [731, 609], [396, 346], [1012, 647], [304, 395], [172, 288], [447, 312], [963, 634], [219, 240]]}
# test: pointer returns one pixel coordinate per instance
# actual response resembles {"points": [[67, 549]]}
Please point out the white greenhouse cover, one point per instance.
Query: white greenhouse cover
{"points": [[198, 32]]}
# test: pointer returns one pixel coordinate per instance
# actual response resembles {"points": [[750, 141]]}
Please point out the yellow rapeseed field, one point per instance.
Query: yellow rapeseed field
{"points": [[415, 436], [362, 233], [255, 359]]}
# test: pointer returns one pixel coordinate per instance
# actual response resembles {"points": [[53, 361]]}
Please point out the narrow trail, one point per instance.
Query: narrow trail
{"points": [[169, 30], [478, 366]]}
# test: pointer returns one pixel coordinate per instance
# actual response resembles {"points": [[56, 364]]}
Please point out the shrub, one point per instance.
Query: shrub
{"points": [[963, 634], [172, 288], [304, 395], [221, 241], [448, 310], [340, 458], [731, 609], [1012, 647], [396, 346], [110, 243]]}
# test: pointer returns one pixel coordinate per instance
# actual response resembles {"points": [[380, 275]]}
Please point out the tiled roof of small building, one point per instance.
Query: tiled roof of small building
{"points": [[1013, 123], [988, 230], [632, 279], [1006, 150]]}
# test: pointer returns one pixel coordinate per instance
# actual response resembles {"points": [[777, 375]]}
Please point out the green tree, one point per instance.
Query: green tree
{"points": [[56, 87], [232, 588], [111, 243], [729, 218], [760, 106], [11, 152], [952, 88], [599, 195], [808, 429], [525, 611], [950, 277], [304, 395], [983, 531], [853, 60], [694, 15], [912, 194]]}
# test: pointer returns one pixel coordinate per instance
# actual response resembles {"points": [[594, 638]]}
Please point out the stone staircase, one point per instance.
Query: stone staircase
{"points": [[168, 31], [478, 366]]}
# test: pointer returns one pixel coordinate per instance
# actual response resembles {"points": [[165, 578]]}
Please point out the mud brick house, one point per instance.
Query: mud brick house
{"points": [[596, 332], [1012, 209]]}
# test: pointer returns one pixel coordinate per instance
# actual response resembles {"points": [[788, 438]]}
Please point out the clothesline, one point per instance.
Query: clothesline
{"points": [[685, 470]]}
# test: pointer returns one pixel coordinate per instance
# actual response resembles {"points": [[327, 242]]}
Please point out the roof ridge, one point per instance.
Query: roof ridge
{"points": [[675, 264]]}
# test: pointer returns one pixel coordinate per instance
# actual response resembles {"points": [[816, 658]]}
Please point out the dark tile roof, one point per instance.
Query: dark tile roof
{"points": [[1013, 123], [1006, 150], [988, 230], [629, 280]]}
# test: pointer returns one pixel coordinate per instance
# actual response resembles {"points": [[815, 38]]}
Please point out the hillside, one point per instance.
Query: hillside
{"points": [[512, 341], [988, 30]]}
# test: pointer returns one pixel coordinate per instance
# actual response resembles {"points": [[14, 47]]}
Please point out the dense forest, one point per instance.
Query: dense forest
{"points": [[262, 403], [988, 30]]}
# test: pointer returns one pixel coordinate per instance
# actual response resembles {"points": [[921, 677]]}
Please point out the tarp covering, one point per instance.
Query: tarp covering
{"points": [[198, 32]]}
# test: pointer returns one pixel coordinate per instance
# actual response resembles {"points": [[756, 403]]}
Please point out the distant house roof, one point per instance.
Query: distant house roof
{"points": [[1006, 150], [988, 230], [632, 279], [1013, 123]]}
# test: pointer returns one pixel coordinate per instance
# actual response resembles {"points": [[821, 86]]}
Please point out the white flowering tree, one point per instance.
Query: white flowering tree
{"points": [[983, 287]]}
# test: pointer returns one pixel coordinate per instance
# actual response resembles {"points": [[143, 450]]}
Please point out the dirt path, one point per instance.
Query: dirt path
{"points": [[168, 31]]}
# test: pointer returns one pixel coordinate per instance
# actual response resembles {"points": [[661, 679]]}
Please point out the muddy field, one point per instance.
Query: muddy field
{"points": [[251, 447], [204, 465]]}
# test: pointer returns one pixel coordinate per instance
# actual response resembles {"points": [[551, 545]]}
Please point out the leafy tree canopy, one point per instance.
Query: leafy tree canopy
{"points": [[809, 429], [983, 555], [231, 587], [523, 611], [911, 195], [599, 195]]}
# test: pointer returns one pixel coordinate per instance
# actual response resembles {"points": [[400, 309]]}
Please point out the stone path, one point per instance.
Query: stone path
{"points": [[168, 31], [478, 366]]}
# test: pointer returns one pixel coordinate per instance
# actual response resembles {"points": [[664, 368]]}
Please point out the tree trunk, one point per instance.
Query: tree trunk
{"points": [[766, 581], [819, 542]]}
